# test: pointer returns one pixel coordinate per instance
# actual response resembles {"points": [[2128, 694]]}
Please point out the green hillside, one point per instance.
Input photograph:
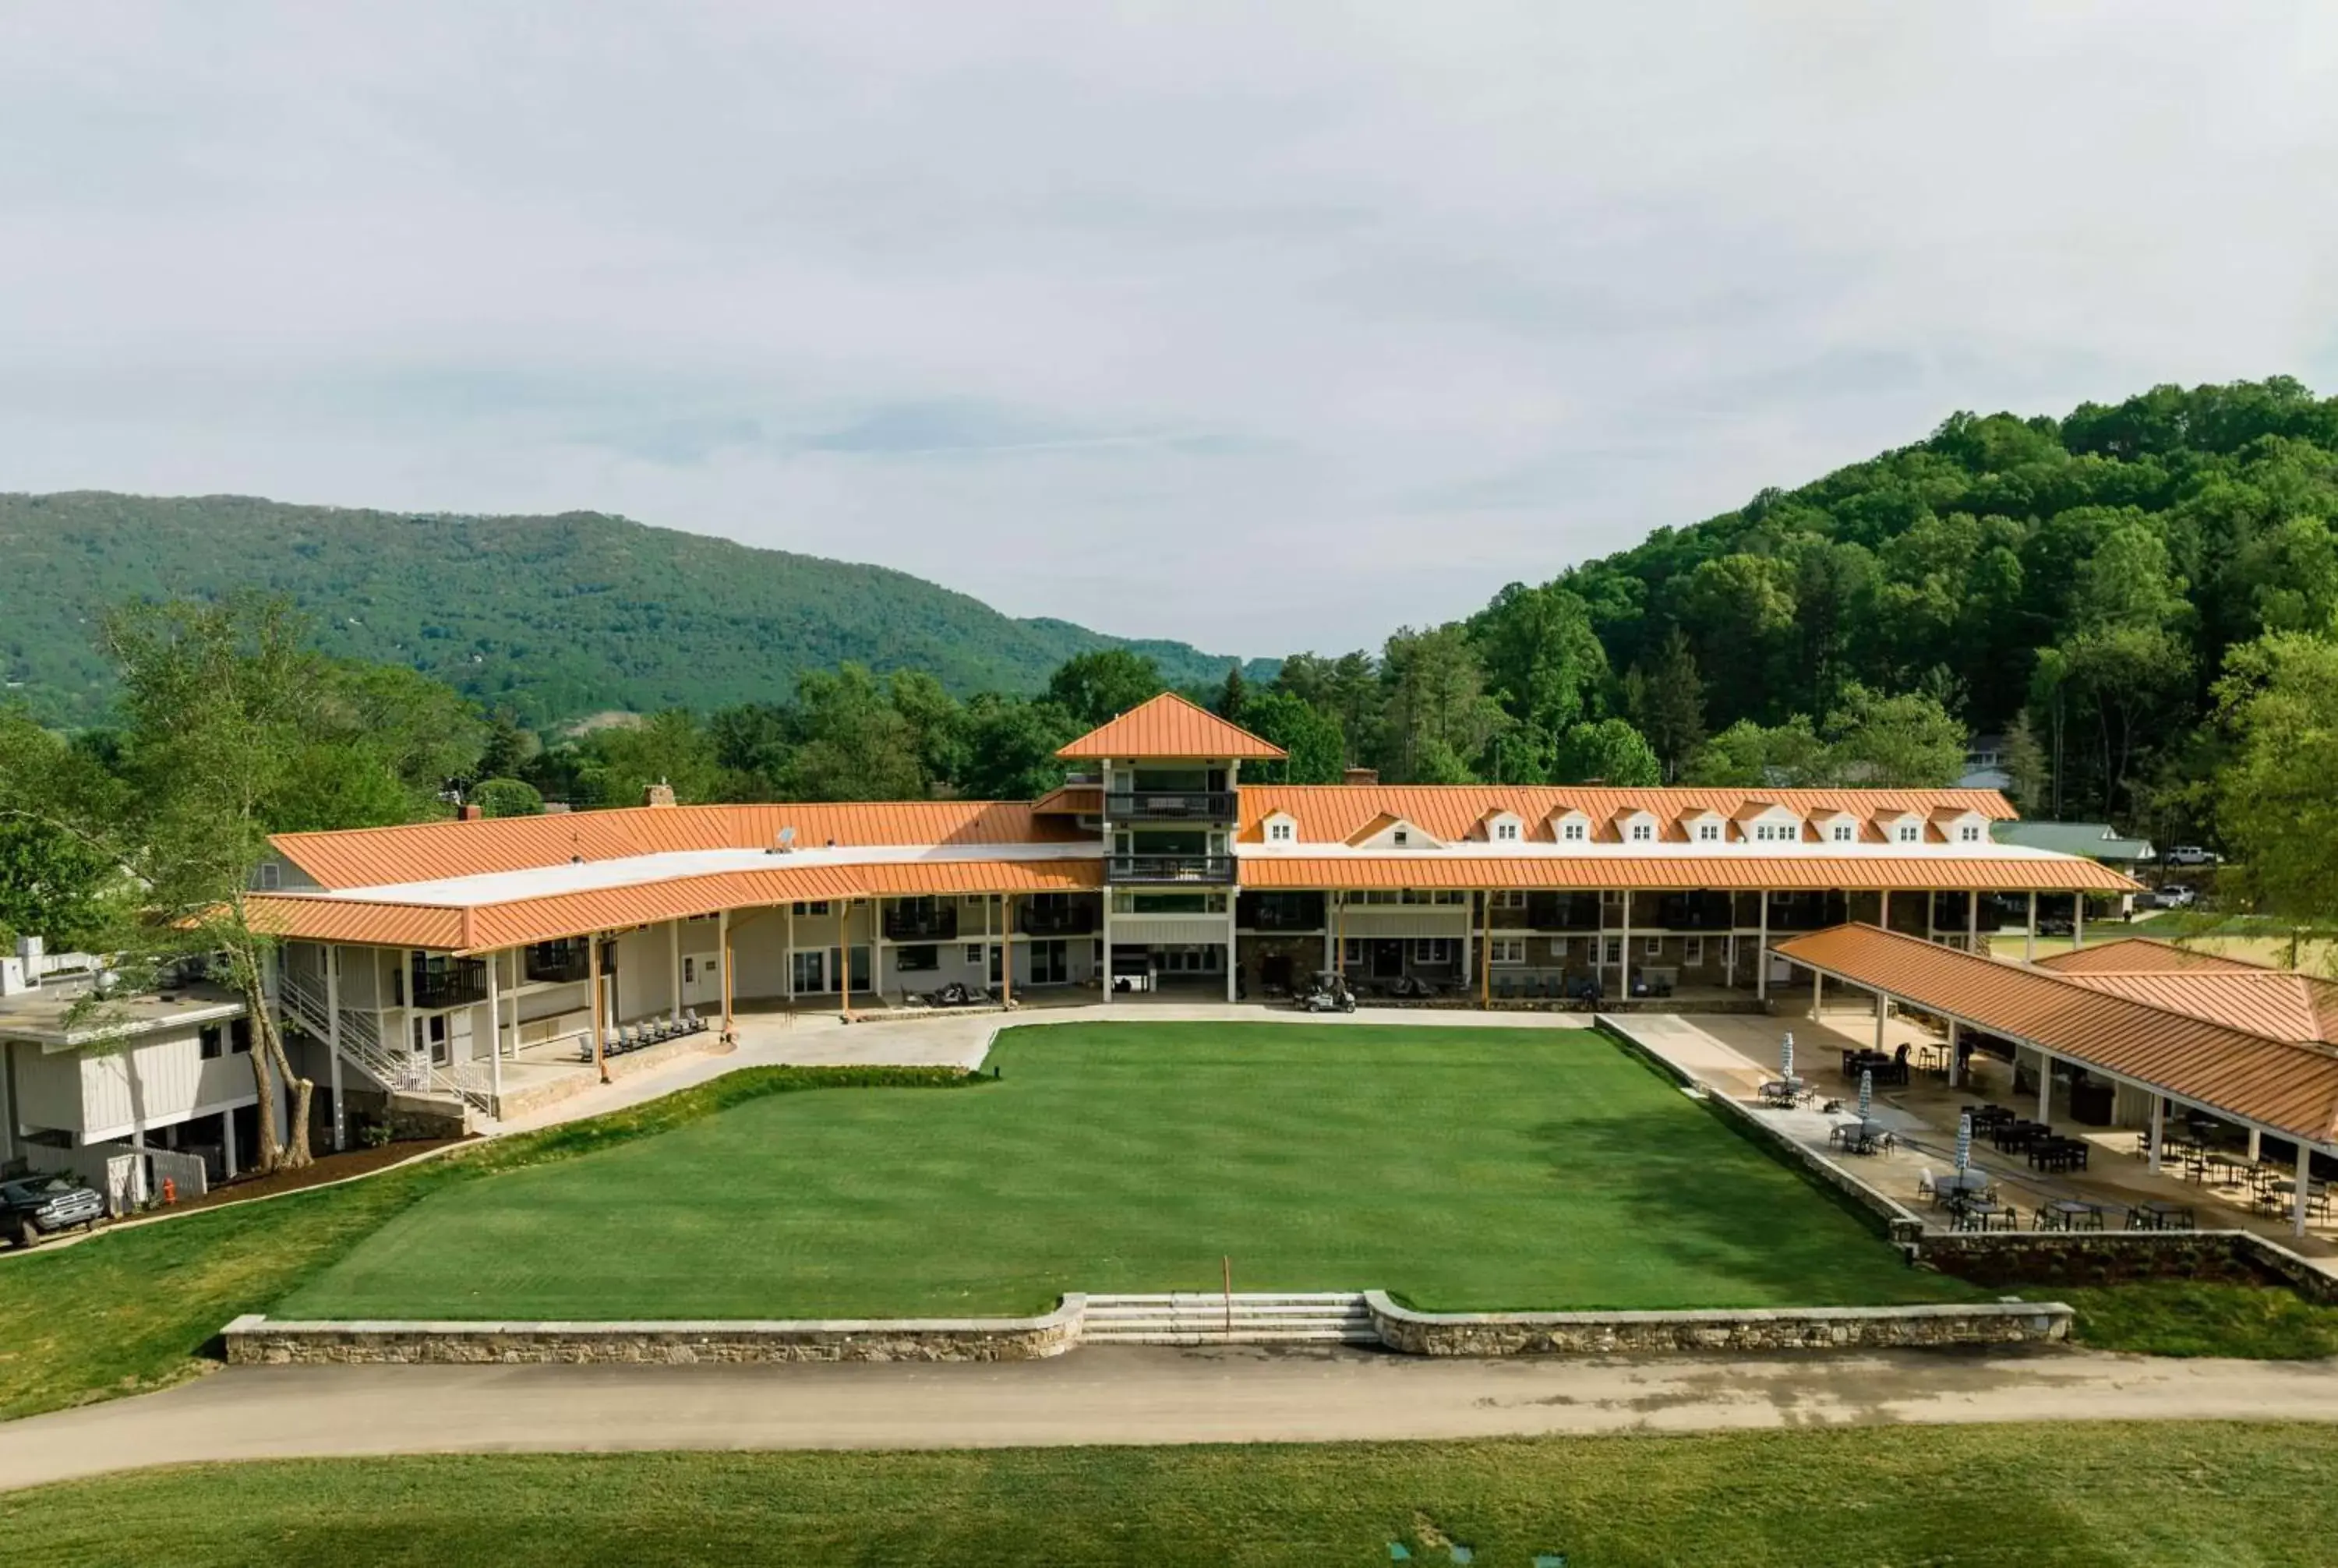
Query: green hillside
{"points": [[552, 616]]}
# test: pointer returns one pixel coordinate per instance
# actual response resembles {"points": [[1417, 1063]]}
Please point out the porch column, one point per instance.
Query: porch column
{"points": [[1233, 945], [1470, 939], [1972, 920], [332, 955], [495, 1041], [1340, 937], [844, 955], [1761, 949], [2077, 921], [1006, 950], [673, 962], [1931, 912], [2159, 1129], [1729, 954], [722, 961], [2029, 935], [2256, 1144], [1623, 977], [2304, 1172], [1882, 1011], [1104, 904], [1956, 1068], [227, 1142], [592, 974], [877, 948], [1818, 994], [1883, 908], [787, 963], [2044, 1084], [1485, 956]]}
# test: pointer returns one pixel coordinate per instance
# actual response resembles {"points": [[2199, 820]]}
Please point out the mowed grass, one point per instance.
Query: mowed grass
{"points": [[1462, 1168], [2078, 1496]]}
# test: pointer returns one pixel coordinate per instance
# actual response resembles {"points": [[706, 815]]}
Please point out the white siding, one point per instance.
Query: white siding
{"points": [[107, 1093]]}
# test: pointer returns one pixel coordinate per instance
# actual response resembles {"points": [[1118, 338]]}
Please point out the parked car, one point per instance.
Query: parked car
{"points": [[32, 1206], [2176, 896], [2192, 855]]}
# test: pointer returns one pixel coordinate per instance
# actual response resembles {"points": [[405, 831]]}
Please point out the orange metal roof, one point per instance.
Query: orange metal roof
{"points": [[2267, 1002], [2288, 1087], [2145, 956], [1787, 872], [1072, 801], [433, 851], [1169, 726], [317, 917], [1329, 813]]}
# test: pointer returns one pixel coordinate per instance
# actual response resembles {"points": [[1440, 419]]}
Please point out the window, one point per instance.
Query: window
{"points": [[1844, 833], [1909, 833], [1653, 948], [1435, 949], [1510, 898], [1614, 950], [1506, 832], [819, 908], [1968, 833], [239, 1037], [1692, 949], [1777, 832], [924, 956], [1278, 833], [1400, 837], [210, 1041], [1642, 832], [1708, 832], [1573, 832], [1507, 950], [271, 875]]}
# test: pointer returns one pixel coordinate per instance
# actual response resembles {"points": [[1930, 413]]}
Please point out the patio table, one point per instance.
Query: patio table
{"points": [[1982, 1214], [2071, 1214], [2158, 1214]]}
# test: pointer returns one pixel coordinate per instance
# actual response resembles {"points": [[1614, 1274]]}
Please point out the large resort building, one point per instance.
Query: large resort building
{"points": [[455, 954]]}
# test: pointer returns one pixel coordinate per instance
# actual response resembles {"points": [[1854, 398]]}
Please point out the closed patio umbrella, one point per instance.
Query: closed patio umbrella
{"points": [[1786, 1057], [1964, 1141], [1866, 1092]]}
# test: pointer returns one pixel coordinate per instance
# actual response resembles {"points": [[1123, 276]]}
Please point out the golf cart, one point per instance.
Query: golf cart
{"points": [[1326, 992]]}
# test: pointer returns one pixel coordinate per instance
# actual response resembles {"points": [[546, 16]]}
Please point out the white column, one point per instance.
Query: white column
{"points": [[1882, 1011], [1470, 936], [1233, 914], [2158, 1129], [1972, 920], [1761, 950], [495, 1030], [333, 1041], [2304, 1172], [1931, 912], [7, 1100], [877, 948], [673, 962], [2030, 934], [227, 1142], [2256, 1145], [2045, 1086], [1104, 913], [1883, 908], [1729, 953], [2077, 921], [1818, 994], [1623, 975], [1956, 1068], [789, 963]]}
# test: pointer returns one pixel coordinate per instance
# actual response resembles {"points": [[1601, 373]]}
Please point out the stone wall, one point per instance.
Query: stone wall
{"points": [[518, 1102], [254, 1340], [2066, 1257], [1797, 1329]]}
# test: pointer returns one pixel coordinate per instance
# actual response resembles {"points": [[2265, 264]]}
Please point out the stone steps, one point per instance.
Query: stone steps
{"points": [[1297, 1317]]}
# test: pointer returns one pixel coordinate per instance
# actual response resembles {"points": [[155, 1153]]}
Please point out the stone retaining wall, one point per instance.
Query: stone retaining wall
{"points": [[1795, 1328], [1898, 1223], [517, 1102], [254, 1340], [2069, 1258]]}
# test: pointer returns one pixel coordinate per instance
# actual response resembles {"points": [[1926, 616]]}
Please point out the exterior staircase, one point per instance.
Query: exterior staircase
{"points": [[303, 1003], [1311, 1318]]}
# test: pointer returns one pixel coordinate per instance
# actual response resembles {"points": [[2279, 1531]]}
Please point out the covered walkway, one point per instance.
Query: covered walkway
{"points": [[2263, 1085]]}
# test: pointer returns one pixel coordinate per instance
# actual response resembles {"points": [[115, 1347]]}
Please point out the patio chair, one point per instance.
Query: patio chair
{"points": [[1924, 1188], [1504, 988]]}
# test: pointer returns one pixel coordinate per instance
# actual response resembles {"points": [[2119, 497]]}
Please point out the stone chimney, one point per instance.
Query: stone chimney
{"points": [[658, 794], [1363, 776], [470, 811]]}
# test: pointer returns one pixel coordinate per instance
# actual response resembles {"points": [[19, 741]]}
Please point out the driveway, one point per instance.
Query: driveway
{"points": [[1118, 1395]]}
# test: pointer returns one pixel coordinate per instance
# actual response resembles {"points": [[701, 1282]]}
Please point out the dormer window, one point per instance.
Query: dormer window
{"points": [[1776, 833], [1708, 832], [1278, 833], [1506, 832], [1968, 833], [1907, 833], [1643, 832], [1844, 833], [1574, 833], [1400, 837]]}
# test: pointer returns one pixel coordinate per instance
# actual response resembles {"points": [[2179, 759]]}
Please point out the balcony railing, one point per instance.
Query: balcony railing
{"points": [[1169, 806], [1208, 869], [1071, 920], [559, 966], [460, 982], [921, 925]]}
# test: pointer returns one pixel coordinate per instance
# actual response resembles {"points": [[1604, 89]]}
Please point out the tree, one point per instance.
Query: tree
{"points": [[1232, 696], [753, 742], [1318, 750], [1666, 703], [617, 764], [1610, 752], [1095, 687], [507, 747], [2025, 765], [1542, 659], [1908, 741], [1436, 717], [506, 797], [1347, 689], [1011, 746], [856, 745], [937, 723], [1750, 755], [56, 882], [2277, 704]]}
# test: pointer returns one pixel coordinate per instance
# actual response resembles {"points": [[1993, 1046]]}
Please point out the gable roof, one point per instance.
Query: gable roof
{"points": [[1170, 726], [1328, 813], [2141, 954], [2096, 840], [2268, 1002]]}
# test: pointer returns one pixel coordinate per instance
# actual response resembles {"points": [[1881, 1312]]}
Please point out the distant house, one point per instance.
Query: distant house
{"points": [[2097, 841], [1985, 765]]}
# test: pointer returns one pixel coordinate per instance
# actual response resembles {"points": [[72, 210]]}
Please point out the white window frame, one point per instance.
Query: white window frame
{"points": [[1278, 833], [1509, 898], [1708, 832], [1968, 833], [1643, 832], [1653, 948], [1614, 952], [1692, 950], [1435, 950], [1846, 833], [974, 951], [1506, 832], [1577, 832], [1506, 952], [1907, 833]]}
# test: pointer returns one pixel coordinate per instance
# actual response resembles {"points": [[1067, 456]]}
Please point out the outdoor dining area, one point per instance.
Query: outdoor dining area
{"points": [[1975, 1202], [2262, 1185], [619, 1042]]}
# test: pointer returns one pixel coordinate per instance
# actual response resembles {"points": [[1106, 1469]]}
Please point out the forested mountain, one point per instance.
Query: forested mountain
{"points": [[550, 617]]}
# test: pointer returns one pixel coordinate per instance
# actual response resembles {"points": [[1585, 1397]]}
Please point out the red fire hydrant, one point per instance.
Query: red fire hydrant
{"points": [[170, 1191]]}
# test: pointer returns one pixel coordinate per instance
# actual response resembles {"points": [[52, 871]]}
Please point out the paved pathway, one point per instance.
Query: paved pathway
{"points": [[1117, 1396]]}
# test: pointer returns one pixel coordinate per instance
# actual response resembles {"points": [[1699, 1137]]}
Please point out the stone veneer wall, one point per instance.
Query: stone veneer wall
{"points": [[2054, 1257], [1898, 1222], [519, 1101], [1793, 1329], [254, 1340]]}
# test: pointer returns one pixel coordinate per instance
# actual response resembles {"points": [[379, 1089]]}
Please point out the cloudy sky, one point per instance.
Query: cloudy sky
{"points": [[1260, 326]]}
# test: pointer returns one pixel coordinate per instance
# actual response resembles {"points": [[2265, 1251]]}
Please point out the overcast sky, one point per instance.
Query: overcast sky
{"points": [[1264, 326]]}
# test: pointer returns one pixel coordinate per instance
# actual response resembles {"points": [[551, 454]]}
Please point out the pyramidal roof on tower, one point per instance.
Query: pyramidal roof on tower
{"points": [[1169, 726]]}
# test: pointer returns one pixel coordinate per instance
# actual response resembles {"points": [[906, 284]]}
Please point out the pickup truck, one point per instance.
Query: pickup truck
{"points": [[2192, 855], [32, 1206]]}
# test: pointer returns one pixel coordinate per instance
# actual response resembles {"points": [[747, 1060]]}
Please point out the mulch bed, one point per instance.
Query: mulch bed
{"points": [[315, 1173]]}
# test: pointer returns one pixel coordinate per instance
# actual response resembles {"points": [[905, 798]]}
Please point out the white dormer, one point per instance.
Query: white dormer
{"points": [[1386, 832], [1279, 828], [1570, 826], [1835, 826], [1636, 826], [1962, 827], [1705, 827], [1767, 822], [1901, 827], [1503, 827]]}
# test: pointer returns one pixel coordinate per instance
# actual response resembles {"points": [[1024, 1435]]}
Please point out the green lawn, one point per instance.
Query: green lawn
{"points": [[2043, 1496], [1460, 1168]]}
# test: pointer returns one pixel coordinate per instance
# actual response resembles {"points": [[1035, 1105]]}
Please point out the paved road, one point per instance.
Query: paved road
{"points": [[1115, 1395]]}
